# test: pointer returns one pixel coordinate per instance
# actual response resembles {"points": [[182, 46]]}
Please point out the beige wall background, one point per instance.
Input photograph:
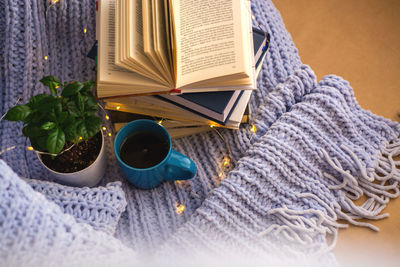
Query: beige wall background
{"points": [[360, 41]]}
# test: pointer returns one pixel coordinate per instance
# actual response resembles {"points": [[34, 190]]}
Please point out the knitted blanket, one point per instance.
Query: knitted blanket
{"points": [[314, 153]]}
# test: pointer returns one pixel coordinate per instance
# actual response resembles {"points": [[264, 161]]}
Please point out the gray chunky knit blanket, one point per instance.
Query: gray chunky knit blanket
{"points": [[315, 152]]}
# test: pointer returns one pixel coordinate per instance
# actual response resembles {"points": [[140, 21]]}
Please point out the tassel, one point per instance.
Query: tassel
{"points": [[348, 218], [301, 226], [379, 184]]}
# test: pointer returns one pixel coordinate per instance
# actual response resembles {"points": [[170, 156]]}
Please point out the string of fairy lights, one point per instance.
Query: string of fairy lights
{"points": [[227, 163]]}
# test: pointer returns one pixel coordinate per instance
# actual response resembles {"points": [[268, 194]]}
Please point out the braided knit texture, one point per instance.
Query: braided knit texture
{"points": [[101, 207], [315, 152], [36, 232]]}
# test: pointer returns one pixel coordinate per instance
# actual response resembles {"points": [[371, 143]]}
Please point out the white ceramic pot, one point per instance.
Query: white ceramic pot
{"points": [[90, 176]]}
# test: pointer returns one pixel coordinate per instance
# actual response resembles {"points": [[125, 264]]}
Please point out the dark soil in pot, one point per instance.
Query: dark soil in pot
{"points": [[77, 158]]}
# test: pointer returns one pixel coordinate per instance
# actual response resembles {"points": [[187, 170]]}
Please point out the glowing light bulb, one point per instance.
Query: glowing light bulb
{"points": [[109, 134], [226, 162], [118, 107], [220, 174], [212, 126], [179, 208], [46, 57], [159, 122], [80, 138], [253, 128], [107, 117], [104, 128], [30, 148], [84, 30]]}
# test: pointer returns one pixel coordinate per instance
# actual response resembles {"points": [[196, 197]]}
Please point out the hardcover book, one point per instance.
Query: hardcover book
{"points": [[217, 106], [174, 46]]}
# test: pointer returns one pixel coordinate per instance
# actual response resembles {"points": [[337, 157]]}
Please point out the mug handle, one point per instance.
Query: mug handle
{"points": [[179, 167]]}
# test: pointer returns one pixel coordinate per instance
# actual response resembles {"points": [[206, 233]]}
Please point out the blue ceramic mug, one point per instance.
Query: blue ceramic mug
{"points": [[174, 166]]}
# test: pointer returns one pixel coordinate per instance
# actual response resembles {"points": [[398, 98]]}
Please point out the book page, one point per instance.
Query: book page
{"points": [[210, 40], [136, 48], [117, 33], [147, 26], [109, 73], [160, 33], [136, 43], [170, 44], [129, 41], [170, 22], [148, 36]]}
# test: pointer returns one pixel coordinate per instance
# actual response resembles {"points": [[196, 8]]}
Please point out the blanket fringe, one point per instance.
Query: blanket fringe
{"points": [[301, 226], [378, 184]]}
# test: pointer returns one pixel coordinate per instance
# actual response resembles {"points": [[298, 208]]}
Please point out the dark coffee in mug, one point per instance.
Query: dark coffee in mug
{"points": [[145, 155], [144, 149]]}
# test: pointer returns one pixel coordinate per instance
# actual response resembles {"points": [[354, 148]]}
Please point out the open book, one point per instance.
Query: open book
{"points": [[218, 106], [174, 46]]}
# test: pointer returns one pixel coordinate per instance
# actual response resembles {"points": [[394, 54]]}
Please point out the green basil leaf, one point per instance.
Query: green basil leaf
{"points": [[57, 106], [39, 143], [46, 104], [52, 82], [81, 130], [42, 142], [62, 117], [29, 118], [53, 89], [36, 143], [49, 114], [80, 102], [71, 89], [87, 86], [32, 131], [89, 127], [55, 141], [91, 104], [48, 125], [90, 113], [70, 130], [18, 113], [72, 109], [35, 101], [50, 79], [35, 118]]}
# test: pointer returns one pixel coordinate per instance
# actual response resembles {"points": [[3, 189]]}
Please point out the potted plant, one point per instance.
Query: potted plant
{"points": [[65, 131]]}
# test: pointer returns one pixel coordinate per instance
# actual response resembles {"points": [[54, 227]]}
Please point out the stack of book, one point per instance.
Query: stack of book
{"points": [[194, 63]]}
